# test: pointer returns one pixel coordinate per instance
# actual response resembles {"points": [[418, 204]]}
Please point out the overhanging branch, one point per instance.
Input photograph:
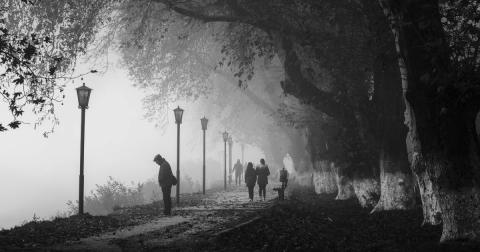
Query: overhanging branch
{"points": [[295, 84], [213, 12]]}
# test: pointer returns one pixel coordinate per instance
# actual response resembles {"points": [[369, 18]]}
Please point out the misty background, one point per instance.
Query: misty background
{"points": [[39, 175], [130, 119]]}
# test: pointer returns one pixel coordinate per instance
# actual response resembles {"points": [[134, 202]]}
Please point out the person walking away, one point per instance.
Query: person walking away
{"points": [[238, 168], [262, 178], [166, 180], [250, 179], [284, 181], [284, 178]]}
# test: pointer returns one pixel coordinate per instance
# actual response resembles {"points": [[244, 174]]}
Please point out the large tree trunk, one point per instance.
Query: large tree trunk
{"points": [[430, 205], [344, 183], [441, 112], [367, 191], [460, 213], [455, 205], [397, 185], [324, 177], [432, 215], [396, 181]]}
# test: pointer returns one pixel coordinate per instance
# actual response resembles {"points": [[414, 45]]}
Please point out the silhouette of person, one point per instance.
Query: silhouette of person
{"points": [[284, 181], [284, 177], [238, 168], [250, 179], [166, 181], [262, 172]]}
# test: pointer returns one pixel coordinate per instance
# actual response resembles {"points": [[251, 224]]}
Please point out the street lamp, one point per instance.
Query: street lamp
{"points": [[204, 122], [83, 95], [243, 159], [178, 120], [243, 152], [230, 143], [225, 138]]}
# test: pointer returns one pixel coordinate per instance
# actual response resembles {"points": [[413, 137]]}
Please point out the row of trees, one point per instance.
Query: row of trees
{"points": [[362, 63], [362, 69]]}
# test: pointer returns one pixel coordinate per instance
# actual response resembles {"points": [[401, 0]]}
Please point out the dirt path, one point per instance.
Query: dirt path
{"points": [[217, 212], [106, 241]]}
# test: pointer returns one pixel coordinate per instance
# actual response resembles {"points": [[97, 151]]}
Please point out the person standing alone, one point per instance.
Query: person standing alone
{"points": [[238, 168], [166, 181], [262, 172], [250, 179], [284, 178]]}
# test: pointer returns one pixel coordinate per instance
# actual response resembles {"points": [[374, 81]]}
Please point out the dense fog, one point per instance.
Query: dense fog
{"points": [[121, 143]]}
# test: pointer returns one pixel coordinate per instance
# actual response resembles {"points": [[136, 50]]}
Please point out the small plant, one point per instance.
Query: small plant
{"points": [[35, 218]]}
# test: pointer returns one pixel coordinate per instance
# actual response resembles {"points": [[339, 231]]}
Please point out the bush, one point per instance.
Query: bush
{"points": [[115, 195], [112, 196]]}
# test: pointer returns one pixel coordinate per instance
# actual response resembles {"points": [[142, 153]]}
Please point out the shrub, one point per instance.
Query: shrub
{"points": [[109, 197]]}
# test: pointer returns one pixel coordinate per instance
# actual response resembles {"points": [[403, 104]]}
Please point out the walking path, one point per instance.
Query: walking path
{"points": [[217, 212]]}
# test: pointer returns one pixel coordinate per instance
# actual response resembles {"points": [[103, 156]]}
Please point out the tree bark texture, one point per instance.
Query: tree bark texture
{"points": [[441, 112], [397, 186], [367, 191], [344, 184], [397, 183], [432, 214], [324, 178]]}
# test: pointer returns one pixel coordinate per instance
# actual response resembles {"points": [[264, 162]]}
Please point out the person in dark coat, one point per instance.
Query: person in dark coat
{"points": [[284, 178], [166, 181], [284, 181], [250, 179], [262, 178]]}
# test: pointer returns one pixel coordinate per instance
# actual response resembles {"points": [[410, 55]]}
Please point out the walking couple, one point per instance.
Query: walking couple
{"points": [[258, 175]]}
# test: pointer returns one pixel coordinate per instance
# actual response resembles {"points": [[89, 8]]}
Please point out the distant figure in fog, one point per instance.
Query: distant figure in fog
{"points": [[250, 179], [166, 181], [262, 178], [284, 181], [238, 168], [284, 178]]}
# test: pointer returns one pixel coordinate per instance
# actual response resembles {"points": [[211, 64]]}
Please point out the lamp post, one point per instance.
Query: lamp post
{"points": [[83, 95], [243, 152], [225, 138], [243, 160], [230, 144], [204, 122], [178, 120]]}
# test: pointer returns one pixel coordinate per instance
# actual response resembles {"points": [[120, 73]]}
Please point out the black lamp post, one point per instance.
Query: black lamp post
{"points": [[243, 152], [204, 122], [83, 94], [230, 144], [178, 120], [243, 160], [225, 138]]}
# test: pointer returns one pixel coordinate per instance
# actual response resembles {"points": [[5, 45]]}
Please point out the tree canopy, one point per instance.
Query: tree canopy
{"points": [[39, 44]]}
